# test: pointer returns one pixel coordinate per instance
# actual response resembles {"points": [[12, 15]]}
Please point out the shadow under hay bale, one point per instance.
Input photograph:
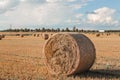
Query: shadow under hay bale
{"points": [[69, 54], [100, 73]]}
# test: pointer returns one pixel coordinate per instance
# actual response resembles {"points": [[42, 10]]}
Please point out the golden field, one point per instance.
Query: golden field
{"points": [[22, 58]]}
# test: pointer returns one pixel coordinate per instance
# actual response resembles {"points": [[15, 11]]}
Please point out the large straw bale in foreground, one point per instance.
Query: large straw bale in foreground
{"points": [[69, 53]]}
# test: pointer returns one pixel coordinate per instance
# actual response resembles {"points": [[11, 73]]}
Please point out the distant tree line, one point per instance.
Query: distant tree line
{"points": [[44, 30], [112, 31], [74, 29]]}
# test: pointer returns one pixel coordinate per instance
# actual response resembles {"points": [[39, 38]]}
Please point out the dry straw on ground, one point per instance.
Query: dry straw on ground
{"points": [[69, 53]]}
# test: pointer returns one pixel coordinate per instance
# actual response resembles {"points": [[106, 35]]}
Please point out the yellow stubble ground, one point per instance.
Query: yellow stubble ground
{"points": [[23, 59]]}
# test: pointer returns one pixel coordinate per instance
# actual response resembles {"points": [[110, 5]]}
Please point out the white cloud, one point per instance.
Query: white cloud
{"points": [[48, 13], [6, 5], [102, 15], [53, 13], [76, 6], [40, 11], [61, 0], [34, 1], [53, 0], [78, 16], [77, 19], [71, 0]]}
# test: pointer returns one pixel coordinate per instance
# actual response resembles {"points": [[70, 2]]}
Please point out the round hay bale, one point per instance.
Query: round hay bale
{"points": [[119, 34], [34, 35], [45, 36], [22, 36], [97, 35], [68, 54], [38, 35], [3, 36]]}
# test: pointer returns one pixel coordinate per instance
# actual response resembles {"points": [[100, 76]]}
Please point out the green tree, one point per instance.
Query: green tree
{"points": [[67, 29], [74, 29]]}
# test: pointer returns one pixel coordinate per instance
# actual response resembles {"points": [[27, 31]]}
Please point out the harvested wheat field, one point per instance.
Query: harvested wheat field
{"points": [[22, 58]]}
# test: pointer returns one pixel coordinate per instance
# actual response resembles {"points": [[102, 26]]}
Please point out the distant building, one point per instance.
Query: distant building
{"points": [[101, 30]]}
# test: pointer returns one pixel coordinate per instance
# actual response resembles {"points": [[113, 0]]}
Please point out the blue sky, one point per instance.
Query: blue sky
{"points": [[84, 14]]}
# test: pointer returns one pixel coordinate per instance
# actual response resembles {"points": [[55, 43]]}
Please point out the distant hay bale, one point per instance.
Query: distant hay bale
{"points": [[69, 53], [108, 34], [22, 36], [38, 35], [119, 34], [45, 36], [98, 35], [34, 35], [102, 34], [50, 35], [3, 36]]}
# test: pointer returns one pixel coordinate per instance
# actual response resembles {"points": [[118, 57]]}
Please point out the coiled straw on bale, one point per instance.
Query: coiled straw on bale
{"points": [[68, 54]]}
